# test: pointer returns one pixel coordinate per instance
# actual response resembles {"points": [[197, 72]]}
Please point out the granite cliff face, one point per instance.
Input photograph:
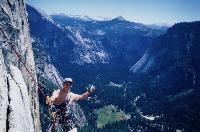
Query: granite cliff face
{"points": [[174, 58], [18, 92]]}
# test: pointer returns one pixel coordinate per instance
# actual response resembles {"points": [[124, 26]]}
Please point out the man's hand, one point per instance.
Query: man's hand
{"points": [[92, 89], [53, 116], [48, 100]]}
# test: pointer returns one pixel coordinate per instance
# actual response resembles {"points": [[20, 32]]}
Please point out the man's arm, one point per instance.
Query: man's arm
{"points": [[49, 100], [84, 95]]}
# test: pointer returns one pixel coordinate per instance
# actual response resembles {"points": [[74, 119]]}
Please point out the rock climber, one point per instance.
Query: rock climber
{"points": [[63, 97]]}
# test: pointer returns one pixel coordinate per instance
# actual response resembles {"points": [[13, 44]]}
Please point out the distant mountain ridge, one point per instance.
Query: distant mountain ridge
{"points": [[92, 43]]}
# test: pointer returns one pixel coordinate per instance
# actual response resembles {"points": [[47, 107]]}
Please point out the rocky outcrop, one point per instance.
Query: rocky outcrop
{"points": [[18, 92], [174, 57]]}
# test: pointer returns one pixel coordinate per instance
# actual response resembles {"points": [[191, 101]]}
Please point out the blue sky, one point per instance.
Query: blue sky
{"points": [[144, 11]]}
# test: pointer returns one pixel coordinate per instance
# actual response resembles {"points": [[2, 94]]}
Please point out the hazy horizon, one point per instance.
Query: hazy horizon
{"points": [[144, 11]]}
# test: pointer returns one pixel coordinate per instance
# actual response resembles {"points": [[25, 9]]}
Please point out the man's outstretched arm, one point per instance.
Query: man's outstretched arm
{"points": [[86, 94]]}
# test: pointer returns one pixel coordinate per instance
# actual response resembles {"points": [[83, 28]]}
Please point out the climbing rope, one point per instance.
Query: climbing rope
{"points": [[27, 69]]}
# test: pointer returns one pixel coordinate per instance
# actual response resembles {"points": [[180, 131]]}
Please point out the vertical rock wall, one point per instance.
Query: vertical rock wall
{"points": [[19, 106]]}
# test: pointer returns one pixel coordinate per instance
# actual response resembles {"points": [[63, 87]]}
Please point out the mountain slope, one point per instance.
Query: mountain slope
{"points": [[121, 39], [174, 54], [75, 45], [163, 92], [172, 64]]}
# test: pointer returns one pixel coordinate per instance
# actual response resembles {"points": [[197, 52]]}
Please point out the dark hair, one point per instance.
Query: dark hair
{"points": [[68, 82]]}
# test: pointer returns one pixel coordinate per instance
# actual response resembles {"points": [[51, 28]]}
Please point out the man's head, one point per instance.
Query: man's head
{"points": [[67, 82]]}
